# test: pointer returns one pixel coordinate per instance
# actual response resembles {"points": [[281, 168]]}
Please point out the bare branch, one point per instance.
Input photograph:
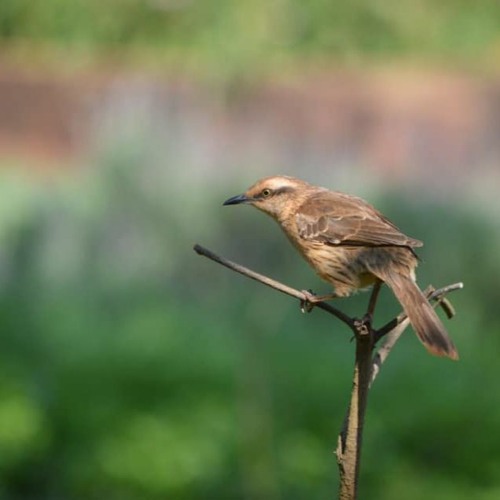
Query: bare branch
{"points": [[349, 443], [434, 295], [272, 283], [393, 330], [384, 350], [367, 366]]}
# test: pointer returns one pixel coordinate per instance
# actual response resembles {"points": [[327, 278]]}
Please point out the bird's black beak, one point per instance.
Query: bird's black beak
{"points": [[236, 200]]}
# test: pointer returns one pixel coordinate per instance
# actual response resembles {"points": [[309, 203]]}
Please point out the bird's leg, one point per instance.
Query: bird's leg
{"points": [[307, 304], [368, 317]]}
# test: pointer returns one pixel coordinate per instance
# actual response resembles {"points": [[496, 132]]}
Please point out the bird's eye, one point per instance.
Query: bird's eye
{"points": [[265, 193]]}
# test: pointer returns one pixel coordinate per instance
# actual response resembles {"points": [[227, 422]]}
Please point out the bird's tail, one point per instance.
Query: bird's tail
{"points": [[424, 320]]}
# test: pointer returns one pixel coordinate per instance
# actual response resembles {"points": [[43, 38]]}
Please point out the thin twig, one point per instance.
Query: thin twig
{"points": [[401, 322], [437, 294], [384, 350], [272, 283]]}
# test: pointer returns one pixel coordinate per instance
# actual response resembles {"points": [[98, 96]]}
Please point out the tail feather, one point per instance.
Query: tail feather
{"points": [[424, 320]]}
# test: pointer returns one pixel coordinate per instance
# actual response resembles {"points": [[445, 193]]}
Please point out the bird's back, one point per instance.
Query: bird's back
{"points": [[346, 240]]}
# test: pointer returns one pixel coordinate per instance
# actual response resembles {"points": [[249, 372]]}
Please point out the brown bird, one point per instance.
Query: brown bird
{"points": [[351, 245]]}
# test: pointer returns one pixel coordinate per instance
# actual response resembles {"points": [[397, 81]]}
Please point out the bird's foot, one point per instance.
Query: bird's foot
{"points": [[307, 303]]}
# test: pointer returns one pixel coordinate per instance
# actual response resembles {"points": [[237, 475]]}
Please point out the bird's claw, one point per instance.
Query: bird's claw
{"points": [[307, 303]]}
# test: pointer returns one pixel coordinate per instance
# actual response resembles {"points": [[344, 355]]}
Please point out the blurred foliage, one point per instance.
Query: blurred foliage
{"points": [[241, 37], [132, 369]]}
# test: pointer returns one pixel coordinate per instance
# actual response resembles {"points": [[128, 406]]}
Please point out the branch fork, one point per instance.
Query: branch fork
{"points": [[367, 361]]}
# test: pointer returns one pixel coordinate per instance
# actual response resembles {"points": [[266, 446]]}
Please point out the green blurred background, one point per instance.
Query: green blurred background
{"points": [[130, 368]]}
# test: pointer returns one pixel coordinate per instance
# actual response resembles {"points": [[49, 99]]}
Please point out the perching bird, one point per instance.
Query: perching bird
{"points": [[351, 245]]}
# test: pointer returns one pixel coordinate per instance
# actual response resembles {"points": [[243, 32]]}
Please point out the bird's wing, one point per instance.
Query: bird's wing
{"points": [[338, 219]]}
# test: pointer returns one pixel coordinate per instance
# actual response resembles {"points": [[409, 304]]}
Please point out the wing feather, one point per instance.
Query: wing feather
{"points": [[338, 219]]}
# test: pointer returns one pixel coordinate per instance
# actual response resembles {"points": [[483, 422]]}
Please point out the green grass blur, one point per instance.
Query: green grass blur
{"points": [[234, 39]]}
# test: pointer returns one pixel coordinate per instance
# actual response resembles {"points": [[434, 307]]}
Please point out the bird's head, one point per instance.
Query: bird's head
{"points": [[272, 195]]}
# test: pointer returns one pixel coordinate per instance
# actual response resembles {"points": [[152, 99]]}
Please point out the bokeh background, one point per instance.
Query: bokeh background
{"points": [[130, 368]]}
